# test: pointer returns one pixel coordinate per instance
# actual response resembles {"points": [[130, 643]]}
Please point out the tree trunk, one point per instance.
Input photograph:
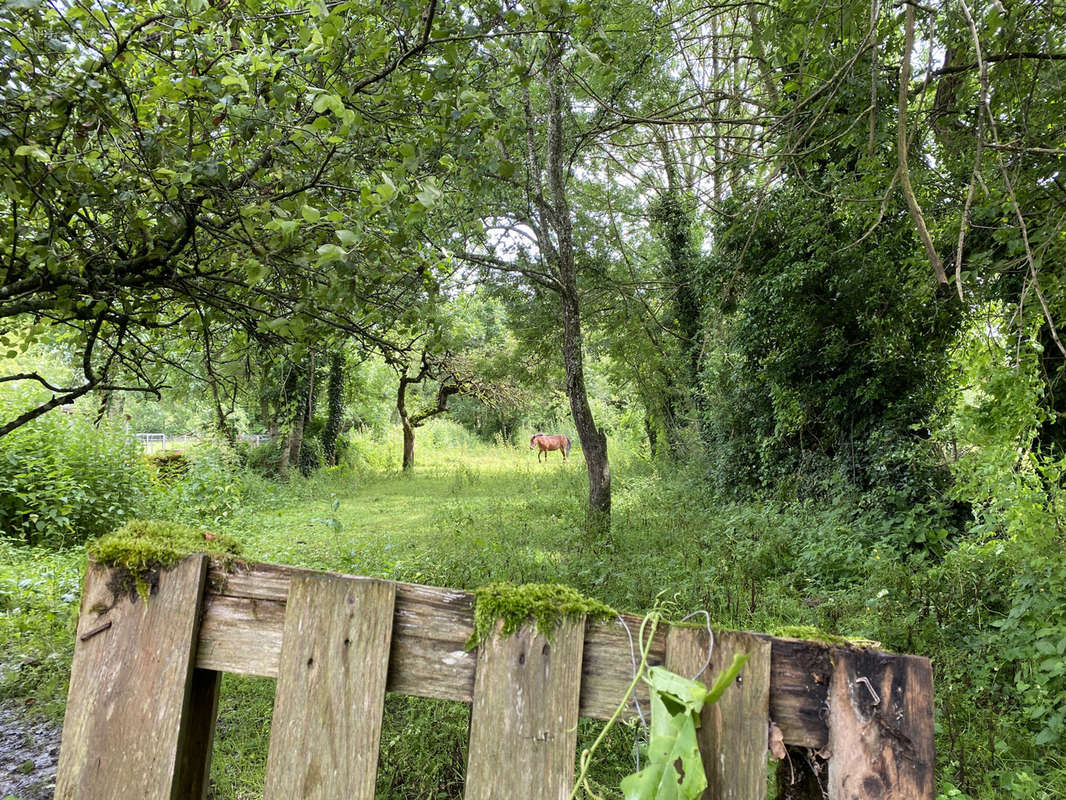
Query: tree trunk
{"points": [[408, 444], [283, 458], [405, 422], [335, 401], [269, 415], [296, 440], [593, 440]]}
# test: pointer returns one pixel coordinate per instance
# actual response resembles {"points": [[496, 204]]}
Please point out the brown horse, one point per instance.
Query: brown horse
{"points": [[544, 443]]}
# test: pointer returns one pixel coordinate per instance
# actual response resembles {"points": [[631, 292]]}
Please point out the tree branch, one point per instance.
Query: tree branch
{"points": [[901, 150]]}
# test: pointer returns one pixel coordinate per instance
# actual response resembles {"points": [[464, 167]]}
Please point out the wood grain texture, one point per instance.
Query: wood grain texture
{"points": [[244, 615], [733, 731], [523, 727], [331, 689], [129, 686], [881, 728]]}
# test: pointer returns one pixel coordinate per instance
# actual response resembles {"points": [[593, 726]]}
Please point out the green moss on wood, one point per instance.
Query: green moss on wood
{"points": [[142, 546], [544, 604], [813, 634]]}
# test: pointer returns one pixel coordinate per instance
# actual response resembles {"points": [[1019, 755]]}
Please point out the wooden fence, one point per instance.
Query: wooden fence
{"points": [[144, 690]]}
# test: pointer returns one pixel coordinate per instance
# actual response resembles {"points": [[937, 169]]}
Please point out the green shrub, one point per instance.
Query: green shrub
{"points": [[39, 593], [170, 465], [310, 456], [210, 490], [265, 458], [64, 480]]}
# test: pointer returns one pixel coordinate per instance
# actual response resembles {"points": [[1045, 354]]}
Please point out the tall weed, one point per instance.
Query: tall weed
{"points": [[64, 480]]}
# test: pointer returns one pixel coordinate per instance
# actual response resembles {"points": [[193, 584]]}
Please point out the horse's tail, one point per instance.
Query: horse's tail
{"points": [[567, 446]]}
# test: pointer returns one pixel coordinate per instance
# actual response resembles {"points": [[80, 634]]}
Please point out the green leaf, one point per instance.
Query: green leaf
{"points": [[328, 253], [727, 677], [430, 194], [310, 213], [674, 770], [386, 190], [286, 226], [690, 694], [235, 80], [33, 151], [347, 237], [673, 742], [255, 271], [328, 102]]}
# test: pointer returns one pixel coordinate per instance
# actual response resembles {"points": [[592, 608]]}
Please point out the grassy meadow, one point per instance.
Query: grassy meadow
{"points": [[471, 513]]}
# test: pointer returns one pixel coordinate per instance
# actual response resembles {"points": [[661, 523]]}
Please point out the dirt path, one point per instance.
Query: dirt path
{"points": [[29, 750]]}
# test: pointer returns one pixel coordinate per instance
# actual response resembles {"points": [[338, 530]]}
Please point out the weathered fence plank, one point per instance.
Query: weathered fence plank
{"points": [[733, 731], [523, 726], [128, 708], [331, 689], [881, 727]]}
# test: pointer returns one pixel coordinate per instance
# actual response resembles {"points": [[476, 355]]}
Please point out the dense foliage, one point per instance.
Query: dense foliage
{"points": [[63, 480], [830, 353]]}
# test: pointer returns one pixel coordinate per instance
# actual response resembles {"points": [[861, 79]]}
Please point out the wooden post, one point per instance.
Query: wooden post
{"points": [[128, 709], [331, 689], [523, 728], [733, 732], [881, 727]]}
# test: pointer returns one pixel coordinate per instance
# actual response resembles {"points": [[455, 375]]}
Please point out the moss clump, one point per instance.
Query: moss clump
{"points": [[811, 633], [142, 546], [546, 604]]}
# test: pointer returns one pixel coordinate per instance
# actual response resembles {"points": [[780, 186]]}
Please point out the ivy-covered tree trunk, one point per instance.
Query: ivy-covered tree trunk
{"points": [[674, 216], [302, 390], [335, 401]]}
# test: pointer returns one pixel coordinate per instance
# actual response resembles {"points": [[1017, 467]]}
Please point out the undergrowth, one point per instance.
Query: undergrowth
{"points": [[986, 604]]}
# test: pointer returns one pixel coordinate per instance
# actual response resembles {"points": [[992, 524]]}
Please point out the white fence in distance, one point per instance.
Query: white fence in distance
{"points": [[156, 442]]}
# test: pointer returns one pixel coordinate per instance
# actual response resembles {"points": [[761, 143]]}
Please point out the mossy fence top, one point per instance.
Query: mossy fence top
{"points": [[144, 689]]}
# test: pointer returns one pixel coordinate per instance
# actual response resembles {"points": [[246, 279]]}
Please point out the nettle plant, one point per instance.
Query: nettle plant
{"points": [[64, 480]]}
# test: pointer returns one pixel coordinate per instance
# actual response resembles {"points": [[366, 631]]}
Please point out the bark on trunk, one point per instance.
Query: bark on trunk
{"points": [[408, 444], [405, 421], [283, 459], [296, 442], [593, 440]]}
